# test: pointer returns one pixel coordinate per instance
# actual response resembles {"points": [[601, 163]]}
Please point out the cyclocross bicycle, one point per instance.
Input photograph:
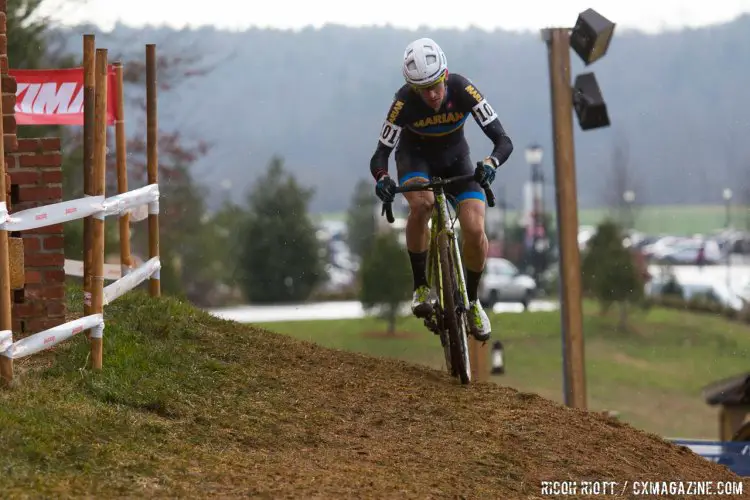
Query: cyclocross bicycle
{"points": [[445, 275]]}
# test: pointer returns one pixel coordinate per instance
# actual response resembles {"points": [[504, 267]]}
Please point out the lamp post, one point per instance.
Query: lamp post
{"points": [[503, 204], [629, 197], [534, 155], [226, 189], [727, 194]]}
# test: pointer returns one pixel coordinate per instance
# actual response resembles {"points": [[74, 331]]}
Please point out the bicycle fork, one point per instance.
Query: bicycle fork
{"points": [[434, 273], [463, 299]]}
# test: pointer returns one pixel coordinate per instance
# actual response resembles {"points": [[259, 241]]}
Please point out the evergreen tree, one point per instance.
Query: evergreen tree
{"points": [[280, 254], [609, 271], [386, 277], [360, 218]]}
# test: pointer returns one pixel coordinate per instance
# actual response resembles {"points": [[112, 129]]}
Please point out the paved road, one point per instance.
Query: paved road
{"points": [[736, 275], [334, 310]]}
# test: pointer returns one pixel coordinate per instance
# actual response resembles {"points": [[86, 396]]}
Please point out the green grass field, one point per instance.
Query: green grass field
{"points": [[652, 376], [674, 219]]}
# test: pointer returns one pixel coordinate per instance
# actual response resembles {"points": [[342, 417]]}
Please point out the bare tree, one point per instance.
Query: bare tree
{"points": [[622, 193], [745, 197]]}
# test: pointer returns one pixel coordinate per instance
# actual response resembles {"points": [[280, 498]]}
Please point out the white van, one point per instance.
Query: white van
{"points": [[503, 282]]}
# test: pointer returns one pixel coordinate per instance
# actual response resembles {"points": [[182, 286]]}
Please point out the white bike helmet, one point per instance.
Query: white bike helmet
{"points": [[424, 63]]}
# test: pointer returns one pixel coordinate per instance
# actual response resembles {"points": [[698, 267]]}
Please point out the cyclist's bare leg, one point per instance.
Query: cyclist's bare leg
{"points": [[417, 243], [475, 245], [420, 211]]}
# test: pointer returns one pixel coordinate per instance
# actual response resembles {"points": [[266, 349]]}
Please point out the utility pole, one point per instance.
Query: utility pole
{"points": [[558, 45], [590, 39]]}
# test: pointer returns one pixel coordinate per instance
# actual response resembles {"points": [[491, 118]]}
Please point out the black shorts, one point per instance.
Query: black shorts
{"points": [[413, 162]]}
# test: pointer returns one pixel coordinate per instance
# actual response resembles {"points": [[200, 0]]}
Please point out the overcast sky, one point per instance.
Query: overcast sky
{"points": [[651, 15]]}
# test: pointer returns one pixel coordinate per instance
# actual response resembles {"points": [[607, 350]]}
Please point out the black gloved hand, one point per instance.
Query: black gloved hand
{"points": [[485, 172], [385, 189]]}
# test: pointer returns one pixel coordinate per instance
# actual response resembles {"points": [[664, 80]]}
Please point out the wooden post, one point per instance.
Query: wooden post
{"points": [[152, 160], [6, 364], [98, 188], [558, 44], [89, 83], [122, 170], [478, 353]]}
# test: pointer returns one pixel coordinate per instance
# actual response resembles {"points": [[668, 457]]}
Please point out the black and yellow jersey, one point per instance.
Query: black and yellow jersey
{"points": [[410, 122]]}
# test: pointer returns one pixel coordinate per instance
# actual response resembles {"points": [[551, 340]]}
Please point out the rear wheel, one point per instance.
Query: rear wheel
{"points": [[453, 324]]}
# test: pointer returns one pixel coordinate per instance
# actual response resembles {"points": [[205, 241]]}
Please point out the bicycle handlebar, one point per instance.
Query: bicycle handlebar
{"points": [[388, 209]]}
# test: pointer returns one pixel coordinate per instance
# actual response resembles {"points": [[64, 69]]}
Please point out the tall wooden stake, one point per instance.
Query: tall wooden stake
{"points": [[478, 359], [122, 169], [98, 187], [89, 82], [558, 44], [152, 159], [6, 323]]}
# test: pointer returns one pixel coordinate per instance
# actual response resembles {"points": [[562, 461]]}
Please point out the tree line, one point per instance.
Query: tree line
{"points": [[263, 249], [660, 91]]}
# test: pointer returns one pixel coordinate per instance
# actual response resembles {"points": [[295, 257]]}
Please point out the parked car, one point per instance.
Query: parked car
{"points": [[686, 252], [714, 291], [503, 282], [661, 245]]}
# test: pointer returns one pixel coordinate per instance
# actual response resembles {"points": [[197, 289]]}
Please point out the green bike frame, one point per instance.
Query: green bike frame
{"points": [[435, 276], [439, 225]]}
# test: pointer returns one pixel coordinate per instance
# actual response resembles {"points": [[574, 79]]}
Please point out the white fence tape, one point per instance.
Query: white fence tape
{"points": [[139, 213], [66, 211], [97, 331], [53, 336], [131, 280], [138, 202], [6, 339], [75, 268], [118, 204], [55, 213], [3, 212]]}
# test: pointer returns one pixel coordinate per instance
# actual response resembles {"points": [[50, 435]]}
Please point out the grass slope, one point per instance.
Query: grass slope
{"points": [[652, 376], [191, 405]]}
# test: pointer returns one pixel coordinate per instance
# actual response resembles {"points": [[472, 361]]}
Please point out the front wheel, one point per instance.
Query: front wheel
{"points": [[439, 318], [459, 348]]}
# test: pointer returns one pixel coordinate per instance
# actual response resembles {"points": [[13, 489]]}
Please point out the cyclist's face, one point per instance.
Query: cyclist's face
{"points": [[433, 95]]}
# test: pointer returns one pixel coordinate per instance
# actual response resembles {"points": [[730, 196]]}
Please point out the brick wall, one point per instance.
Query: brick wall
{"points": [[36, 180], [35, 173]]}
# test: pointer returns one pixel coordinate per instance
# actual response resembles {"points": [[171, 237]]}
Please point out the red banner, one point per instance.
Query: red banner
{"points": [[55, 96]]}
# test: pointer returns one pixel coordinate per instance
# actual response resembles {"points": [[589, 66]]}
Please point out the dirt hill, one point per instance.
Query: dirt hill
{"points": [[190, 405]]}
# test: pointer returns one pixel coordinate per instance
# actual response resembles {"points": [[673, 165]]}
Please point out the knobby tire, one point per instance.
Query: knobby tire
{"points": [[449, 309], [436, 279]]}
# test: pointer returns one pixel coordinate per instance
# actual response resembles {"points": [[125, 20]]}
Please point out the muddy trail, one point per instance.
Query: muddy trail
{"points": [[349, 425]]}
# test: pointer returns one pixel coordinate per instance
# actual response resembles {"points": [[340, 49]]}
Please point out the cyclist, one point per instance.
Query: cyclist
{"points": [[426, 120]]}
